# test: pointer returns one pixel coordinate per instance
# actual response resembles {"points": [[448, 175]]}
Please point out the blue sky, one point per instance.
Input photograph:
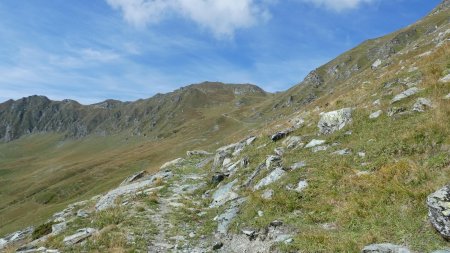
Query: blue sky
{"points": [[92, 50]]}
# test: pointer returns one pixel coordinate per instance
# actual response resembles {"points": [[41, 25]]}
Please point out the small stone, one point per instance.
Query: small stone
{"points": [[361, 154], [82, 213], [272, 159], [301, 186], [217, 245], [260, 213], [217, 178], [292, 142], [249, 232], [298, 165], [376, 114], [279, 151], [343, 152], [376, 64], [267, 194], [448, 96], [197, 153], [319, 148], [276, 223], [376, 102], [314, 143], [396, 110], [280, 135], [421, 104]]}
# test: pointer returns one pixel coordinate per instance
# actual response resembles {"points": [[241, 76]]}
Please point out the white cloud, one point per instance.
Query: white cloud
{"points": [[338, 5], [221, 17]]}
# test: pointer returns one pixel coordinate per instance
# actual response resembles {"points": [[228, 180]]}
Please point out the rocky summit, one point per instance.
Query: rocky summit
{"points": [[355, 158]]}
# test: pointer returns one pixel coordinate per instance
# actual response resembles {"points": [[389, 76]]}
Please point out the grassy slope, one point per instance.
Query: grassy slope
{"points": [[41, 174]]}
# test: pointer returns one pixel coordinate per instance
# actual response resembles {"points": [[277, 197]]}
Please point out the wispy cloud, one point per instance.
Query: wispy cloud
{"points": [[221, 17], [338, 5]]}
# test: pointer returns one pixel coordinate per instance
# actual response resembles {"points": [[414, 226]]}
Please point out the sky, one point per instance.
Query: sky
{"points": [[93, 50]]}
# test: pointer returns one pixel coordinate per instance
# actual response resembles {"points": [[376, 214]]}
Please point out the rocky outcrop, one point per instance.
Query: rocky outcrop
{"points": [[15, 237], [108, 199], [331, 122], [439, 211]]}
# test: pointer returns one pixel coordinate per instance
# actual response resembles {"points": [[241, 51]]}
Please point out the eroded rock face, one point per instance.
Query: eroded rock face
{"points": [[385, 248], [333, 121], [439, 211]]}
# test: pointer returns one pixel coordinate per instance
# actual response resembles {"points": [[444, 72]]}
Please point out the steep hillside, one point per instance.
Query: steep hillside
{"points": [[353, 159]]}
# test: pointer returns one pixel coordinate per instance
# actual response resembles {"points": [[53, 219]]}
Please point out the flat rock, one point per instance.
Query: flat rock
{"points": [[80, 236], [273, 176], [385, 248], [224, 194], [333, 121], [439, 211], [376, 114], [315, 143], [298, 165], [407, 93]]}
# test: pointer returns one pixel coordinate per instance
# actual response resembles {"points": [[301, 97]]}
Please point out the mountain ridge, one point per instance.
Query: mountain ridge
{"points": [[39, 114]]}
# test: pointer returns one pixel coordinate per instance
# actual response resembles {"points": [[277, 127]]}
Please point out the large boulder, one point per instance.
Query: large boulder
{"points": [[385, 248], [439, 211], [335, 120]]}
